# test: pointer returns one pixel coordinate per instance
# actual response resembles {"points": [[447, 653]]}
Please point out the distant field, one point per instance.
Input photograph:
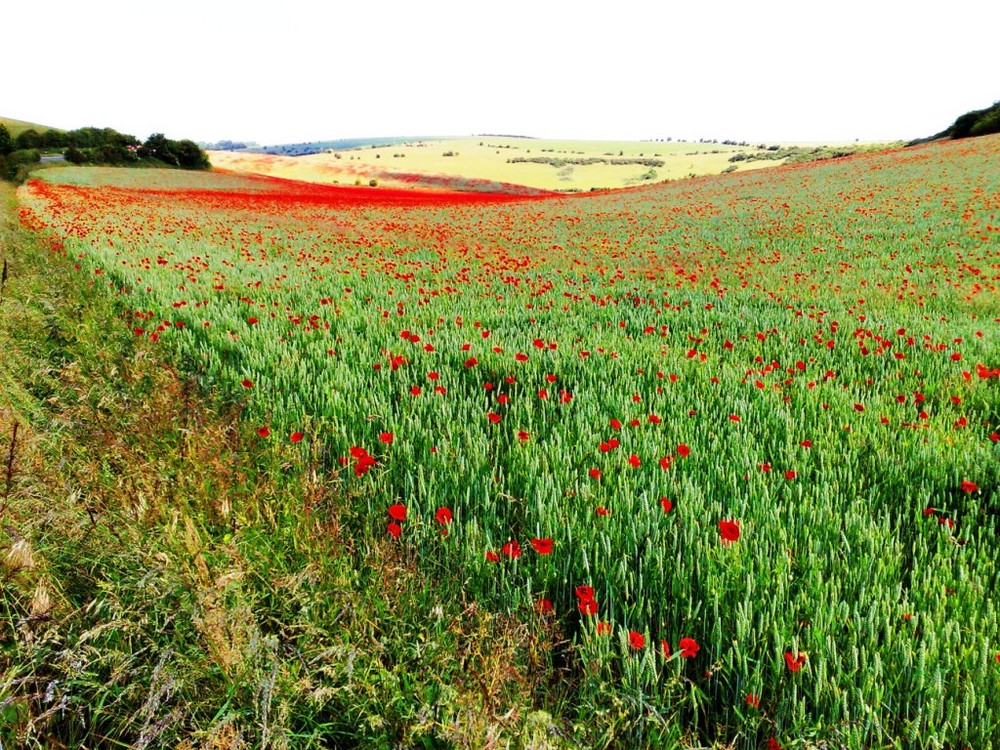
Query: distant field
{"points": [[16, 127], [568, 166]]}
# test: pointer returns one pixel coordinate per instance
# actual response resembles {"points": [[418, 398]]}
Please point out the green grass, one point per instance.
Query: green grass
{"points": [[16, 127]]}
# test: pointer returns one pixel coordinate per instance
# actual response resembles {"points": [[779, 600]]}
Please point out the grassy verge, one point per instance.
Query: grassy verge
{"points": [[168, 579]]}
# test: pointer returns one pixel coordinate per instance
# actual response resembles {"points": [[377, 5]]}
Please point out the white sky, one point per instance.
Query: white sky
{"points": [[278, 72]]}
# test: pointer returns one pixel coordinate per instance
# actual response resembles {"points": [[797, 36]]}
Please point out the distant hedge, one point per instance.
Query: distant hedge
{"points": [[97, 146], [971, 124]]}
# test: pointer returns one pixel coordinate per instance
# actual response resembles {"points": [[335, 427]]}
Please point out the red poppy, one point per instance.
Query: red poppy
{"points": [[969, 487], [494, 418], [795, 661], [394, 529], [602, 511], [492, 556], [636, 640], [666, 505], [615, 424], [773, 744], [415, 390], [587, 607], [247, 383], [386, 437], [594, 473], [753, 700], [729, 530], [296, 437], [634, 461], [512, 549], [397, 512], [264, 431], [543, 606], [790, 474], [665, 646], [689, 648], [443, 516], [806, 444], [542, 546], [603, 628], [584, 592], [683, 450], [734, 417], [252, 320]]}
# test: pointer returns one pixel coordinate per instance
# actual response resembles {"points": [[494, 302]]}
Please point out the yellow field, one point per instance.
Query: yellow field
{"points": [[489, 158]]}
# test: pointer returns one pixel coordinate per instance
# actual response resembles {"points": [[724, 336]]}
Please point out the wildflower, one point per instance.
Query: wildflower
{"points": [[636, 640], [794, 661], [729, 531], [512, 549], [689, 648], [542, 546]]}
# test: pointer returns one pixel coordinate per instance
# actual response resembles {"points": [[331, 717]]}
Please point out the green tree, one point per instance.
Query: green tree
{"points": [[75, 155], [158, 146], [6, 142], [189, 155], [28, 139]]}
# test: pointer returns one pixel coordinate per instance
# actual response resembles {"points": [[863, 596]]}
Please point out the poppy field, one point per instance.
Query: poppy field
{"points": [[736, 439]]}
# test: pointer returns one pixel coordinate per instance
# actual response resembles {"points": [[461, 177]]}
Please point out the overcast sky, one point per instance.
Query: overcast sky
{"points": [[277, 72]]}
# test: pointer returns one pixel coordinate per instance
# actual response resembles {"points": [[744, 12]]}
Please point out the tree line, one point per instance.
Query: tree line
{"points": [[96, 146]]}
